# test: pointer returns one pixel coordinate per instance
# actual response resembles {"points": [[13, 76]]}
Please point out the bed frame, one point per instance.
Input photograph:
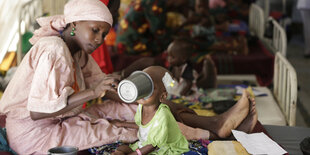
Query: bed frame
{"points": [[285, 87], [256, 21], [279, 40], [279, 106]]}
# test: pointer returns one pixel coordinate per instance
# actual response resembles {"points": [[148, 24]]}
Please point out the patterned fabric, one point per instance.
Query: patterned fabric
{"points": [[143, 29], [197, 147]]}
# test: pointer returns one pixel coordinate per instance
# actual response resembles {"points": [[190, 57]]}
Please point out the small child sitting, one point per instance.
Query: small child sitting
{"points": [[179, 54], [158, 130], [241, 116]]}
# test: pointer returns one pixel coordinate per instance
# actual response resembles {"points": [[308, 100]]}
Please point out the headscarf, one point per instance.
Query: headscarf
{"points": [[74, 10]]}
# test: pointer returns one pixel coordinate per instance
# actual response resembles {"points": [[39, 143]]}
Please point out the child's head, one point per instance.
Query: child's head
{"points": [[179, 51], [202, 7], [159, 94]]}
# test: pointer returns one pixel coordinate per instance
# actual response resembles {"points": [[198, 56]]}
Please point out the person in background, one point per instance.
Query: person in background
{"points": [[180, 64], [304, 7]]}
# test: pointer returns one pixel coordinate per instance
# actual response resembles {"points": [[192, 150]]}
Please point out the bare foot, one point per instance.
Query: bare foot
{"points": [[250, 121], [244, 45], [207, 76], [232, 118]]}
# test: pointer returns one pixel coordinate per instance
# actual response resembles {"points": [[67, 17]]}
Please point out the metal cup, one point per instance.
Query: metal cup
{"points": [[63, 150], [138, 85]]}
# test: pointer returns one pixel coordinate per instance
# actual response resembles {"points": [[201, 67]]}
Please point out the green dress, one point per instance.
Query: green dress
{"points": [[162, 132]]}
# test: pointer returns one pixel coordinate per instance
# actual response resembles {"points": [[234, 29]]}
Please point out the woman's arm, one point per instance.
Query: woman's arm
{"points": [[79, 98], [74, 100], [124, 124]]}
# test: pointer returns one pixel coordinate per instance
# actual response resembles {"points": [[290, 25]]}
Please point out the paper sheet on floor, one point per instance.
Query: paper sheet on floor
{"points": [[258, 143]]}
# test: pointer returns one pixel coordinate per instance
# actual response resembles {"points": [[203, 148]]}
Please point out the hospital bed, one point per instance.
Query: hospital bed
{"points": [[278, 42], [279, 106], [256, 28]]}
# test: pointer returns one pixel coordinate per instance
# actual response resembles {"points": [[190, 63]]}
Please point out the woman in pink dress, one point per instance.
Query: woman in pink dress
{"points": [[44, 100]]}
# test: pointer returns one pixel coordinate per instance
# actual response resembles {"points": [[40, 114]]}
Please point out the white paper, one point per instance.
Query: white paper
{"points": [[258, 143]]}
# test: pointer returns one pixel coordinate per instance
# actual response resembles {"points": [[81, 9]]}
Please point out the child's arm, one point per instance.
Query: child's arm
{"points": [[124, 124], [144, 150], [125, 149]]}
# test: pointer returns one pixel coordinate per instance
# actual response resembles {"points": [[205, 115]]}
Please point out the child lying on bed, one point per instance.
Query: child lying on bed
{"points": [[157, 126]]}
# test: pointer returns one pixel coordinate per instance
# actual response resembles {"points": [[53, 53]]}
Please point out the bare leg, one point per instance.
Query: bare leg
{"points": [[220, 125]]}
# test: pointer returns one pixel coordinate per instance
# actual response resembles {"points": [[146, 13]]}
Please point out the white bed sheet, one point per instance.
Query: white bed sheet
{"points": [[269, 112]]}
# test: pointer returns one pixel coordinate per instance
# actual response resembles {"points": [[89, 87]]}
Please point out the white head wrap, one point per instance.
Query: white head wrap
{"points": [[75, 10]]}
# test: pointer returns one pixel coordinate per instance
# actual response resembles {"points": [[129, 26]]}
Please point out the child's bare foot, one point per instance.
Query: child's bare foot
{"points": [[244, 45], [232, 118], [207, 77], [250, 121]]}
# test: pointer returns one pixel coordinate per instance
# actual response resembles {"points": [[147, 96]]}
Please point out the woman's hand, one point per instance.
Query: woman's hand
{"points": [[108, 83], [114, 75]]}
